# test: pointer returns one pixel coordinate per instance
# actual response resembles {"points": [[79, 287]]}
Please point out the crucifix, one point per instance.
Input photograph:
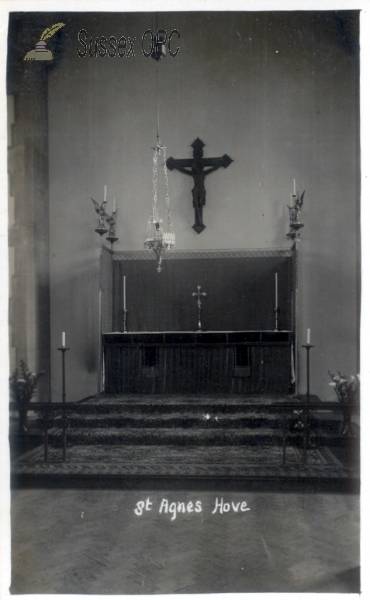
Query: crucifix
{"points": [[199, 305], [195, 167]]}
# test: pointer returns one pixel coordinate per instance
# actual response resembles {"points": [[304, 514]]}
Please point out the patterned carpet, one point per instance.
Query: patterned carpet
{"points": [[190, 399], [250, 462]]}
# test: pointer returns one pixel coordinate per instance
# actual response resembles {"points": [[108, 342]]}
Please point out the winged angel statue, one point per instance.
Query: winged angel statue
{"points": [[295, 211], [110, 219]]}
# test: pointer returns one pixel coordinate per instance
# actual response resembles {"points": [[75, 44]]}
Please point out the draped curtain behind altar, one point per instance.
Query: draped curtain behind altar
{"points": [[240, 293]]}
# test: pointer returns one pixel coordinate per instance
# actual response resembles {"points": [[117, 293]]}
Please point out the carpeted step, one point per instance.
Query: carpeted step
{"points": [[191, 399], [197, 436], [149, 408], [176, 436], [172, 420], [211, 420], [164, 404], [196, 420], [330, 421]]}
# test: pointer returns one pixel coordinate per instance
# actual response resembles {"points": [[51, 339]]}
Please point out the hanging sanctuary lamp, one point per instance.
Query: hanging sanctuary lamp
{"points": [[160, 236]]}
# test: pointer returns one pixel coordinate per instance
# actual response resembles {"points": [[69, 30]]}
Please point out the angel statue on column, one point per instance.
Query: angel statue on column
{"points": [[295, 211], [111, 220], [100, 211]]}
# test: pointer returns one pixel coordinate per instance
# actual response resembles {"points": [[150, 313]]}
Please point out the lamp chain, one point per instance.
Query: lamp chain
{"points": [[158, 101], [169, 219], [157, 240]]}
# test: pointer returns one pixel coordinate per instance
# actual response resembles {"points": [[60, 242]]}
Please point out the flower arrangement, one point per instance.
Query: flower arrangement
{"points": [[23, 384], [346, 389]]}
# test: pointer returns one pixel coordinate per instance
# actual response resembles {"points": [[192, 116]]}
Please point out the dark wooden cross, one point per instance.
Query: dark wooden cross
{"points": [[195, 167]]}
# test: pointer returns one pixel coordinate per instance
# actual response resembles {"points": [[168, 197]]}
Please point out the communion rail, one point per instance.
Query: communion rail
{"points": [[295, 420]]}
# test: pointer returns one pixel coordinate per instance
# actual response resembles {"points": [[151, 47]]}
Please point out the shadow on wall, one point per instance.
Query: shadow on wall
{"points": [[90, 359], [328, 306], [76, 312]]}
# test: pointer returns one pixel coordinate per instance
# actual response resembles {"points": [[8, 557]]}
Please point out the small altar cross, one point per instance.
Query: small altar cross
{"points": [[199, 304], [195, 167]]}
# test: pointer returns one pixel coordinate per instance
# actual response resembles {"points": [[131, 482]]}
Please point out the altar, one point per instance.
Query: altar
{"points": [[149, 336], [187, 362]]}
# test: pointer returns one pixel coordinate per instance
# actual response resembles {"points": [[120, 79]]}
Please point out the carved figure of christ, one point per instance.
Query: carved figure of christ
{"points": [[195, 167]]}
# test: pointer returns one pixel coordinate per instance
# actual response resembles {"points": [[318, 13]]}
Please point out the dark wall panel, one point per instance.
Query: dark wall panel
{"points": [[240, 293]]}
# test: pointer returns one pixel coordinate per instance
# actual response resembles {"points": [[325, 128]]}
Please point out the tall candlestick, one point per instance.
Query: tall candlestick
{"points": [[124, 292], [105, 193], [308, 336], [276, 290], [63, 339], [294, 188]]}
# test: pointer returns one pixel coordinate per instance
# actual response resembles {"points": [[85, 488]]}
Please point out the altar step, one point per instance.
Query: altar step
{"points": [[205, 429], [144, 436], [188, 420], [171, 403], [203, 420], [198, 420]]}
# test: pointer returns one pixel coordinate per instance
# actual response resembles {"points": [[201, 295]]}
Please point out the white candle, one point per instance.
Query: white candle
{"points": [[63, 339], [124, 292], [294, 188], [114, 205], [105, 193], [308, 336], [276, 290]]}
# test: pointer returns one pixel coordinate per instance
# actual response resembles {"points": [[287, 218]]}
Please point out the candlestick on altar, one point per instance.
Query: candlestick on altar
{"points": [[277, 312], [198, 294], [63, 350], [276, 309], [125, 311], [276, 290]]}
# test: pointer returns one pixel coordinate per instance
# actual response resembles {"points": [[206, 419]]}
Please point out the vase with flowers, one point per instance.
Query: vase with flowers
{"points": [[347, 390], [23, 386]]}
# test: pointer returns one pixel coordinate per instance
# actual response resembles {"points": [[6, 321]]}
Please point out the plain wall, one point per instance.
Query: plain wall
{"points": [[277, 92], [28, 223]]}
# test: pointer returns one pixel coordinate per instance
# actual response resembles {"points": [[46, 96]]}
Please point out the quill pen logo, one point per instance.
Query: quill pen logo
{"points": [[40, 51]]}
